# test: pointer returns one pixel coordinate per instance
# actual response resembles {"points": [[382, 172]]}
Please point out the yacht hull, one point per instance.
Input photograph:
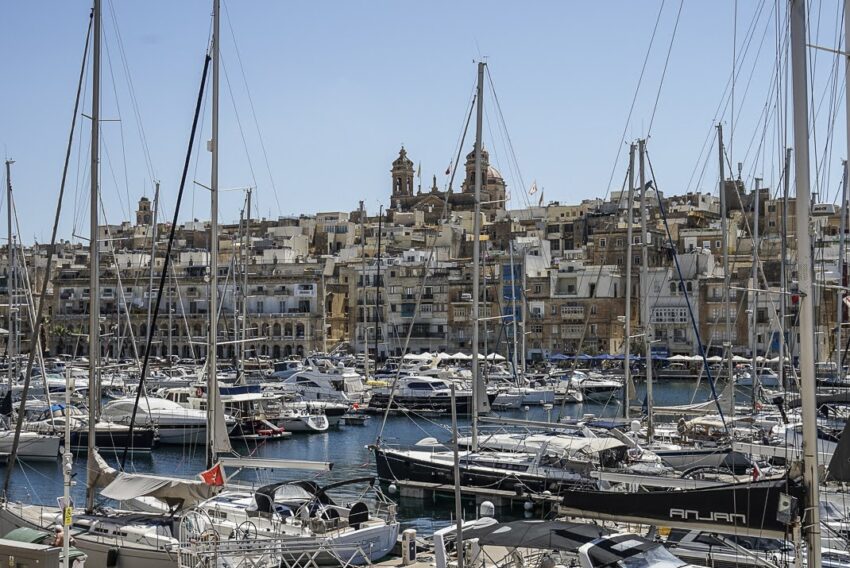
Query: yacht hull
{"points": [[100, 549]]}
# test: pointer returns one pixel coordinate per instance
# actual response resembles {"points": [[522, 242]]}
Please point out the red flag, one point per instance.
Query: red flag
{"points": [[213, 476]]}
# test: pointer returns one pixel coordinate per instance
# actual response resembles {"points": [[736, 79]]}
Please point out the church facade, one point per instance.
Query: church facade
{"points": [[433, 201]]}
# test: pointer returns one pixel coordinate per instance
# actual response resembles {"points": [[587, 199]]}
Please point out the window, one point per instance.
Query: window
{"points": [[602, 243], [619, 242], [593, 309], [717, 244], [538, 288]]}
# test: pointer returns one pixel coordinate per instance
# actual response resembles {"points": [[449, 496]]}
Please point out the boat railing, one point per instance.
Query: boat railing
{"points": [[284, 552]]}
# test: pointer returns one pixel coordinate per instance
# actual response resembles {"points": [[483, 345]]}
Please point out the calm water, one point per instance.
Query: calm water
{"points": [[346, 447]]}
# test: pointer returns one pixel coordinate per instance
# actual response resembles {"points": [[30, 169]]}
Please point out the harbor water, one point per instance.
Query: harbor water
{"points": [[345, 446]]}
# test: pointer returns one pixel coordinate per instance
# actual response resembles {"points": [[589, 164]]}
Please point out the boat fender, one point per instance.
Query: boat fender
{"points": [[112, 557], [487, 509]]}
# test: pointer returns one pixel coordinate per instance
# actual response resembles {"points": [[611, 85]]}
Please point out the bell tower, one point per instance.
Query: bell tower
{"points": [[144, 215], [402, 175]]}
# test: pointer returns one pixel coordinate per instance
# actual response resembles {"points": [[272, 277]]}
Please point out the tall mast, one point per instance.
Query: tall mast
{"points": [[783, 269], [324, 315], [523, 309], [212, 336], [513, 319], [363, 310], [844, 202], [644, 278], [808, 386], [153, 253], [94, 261], [627, 361], [477, 383], [378, 283], [11, 337], [724, 237], [839, 295], [245, 258], [755, 294]]}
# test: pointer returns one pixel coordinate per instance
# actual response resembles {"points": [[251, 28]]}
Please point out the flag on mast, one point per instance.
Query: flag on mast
{"points": [[533, 189], [540, 203], [449, 169]]}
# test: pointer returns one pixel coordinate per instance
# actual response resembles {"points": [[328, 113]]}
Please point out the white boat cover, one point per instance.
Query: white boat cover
{"points": [[175, 492]]}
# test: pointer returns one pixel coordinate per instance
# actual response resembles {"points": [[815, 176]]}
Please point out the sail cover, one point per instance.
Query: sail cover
{"points": [[221, 437], [174, 492], [760, 508]]}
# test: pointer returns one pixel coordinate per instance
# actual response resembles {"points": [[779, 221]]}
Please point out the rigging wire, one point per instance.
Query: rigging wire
{"points": [[251, 106]]}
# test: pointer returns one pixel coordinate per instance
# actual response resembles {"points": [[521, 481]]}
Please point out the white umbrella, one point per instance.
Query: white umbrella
{"points": [[714, 359], [461, 356], [739, 359], [443, 356], [495, 357], [679, 358]]}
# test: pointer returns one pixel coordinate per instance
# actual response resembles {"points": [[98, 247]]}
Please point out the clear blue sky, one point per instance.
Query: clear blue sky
{"points": [[338, 86]]}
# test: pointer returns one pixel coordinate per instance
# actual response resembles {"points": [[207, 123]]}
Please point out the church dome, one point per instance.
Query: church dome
{"points": [[494, 174]]}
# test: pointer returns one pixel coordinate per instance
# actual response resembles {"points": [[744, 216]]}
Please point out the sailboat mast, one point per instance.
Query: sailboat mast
{"points": [[246, 258], [808, 386], [783, 270], [10, 280], [839, 294], [378, 283], [94, 261], [644, 276], [153, 254], [844, 202], [627, 360], [362, 312], [476, 255], [513, 319], [212, 336], [755, 294], [724, 239]]}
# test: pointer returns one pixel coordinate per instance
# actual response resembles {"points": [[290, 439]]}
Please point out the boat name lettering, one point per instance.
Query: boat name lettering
{"points": [[716, 516]]}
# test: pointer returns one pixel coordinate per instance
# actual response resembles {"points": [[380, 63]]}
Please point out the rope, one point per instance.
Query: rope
{"points": [[687, 296]]}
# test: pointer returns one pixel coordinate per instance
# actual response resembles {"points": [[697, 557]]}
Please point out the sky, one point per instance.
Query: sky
{"points": [[317, 97]]}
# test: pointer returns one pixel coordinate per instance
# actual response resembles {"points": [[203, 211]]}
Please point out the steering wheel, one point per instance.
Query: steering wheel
{"points": [[246, 530]]}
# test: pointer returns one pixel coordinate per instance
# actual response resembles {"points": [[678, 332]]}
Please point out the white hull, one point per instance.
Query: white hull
{"points": [[31, 446], [180, 435], [312, 423], [97, 548]]}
